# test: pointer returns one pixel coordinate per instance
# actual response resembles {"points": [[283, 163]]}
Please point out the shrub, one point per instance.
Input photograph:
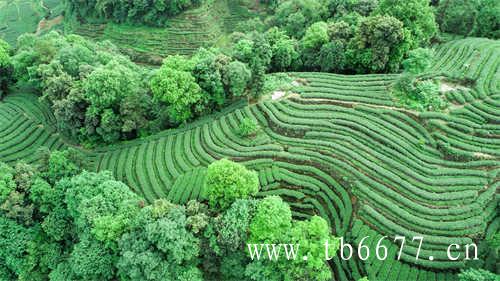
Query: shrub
{"points": [[418, 61], [248, 127], [418, 94]]}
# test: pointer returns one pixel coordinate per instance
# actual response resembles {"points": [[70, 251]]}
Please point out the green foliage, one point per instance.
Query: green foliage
{"points": [[473, 274], [102, 205], [14, 240], [155, 14], [106, 89], [488, 19], [418, 61], [97, 94], [272, 219], [227, 181], [295, 16], [469, 17], [237, 76], [209, 70], [253, 24], [232, 226], [248, 127], [457, 16], [272, 223], [91, 260], [316, 35], [160, 247], [175, 88], [7, 183], [380, 44], [416, 15], [332, 56], [311, 235], [6, 68], [285, 52], [256, 52], [421, 95], [494, 241], [62, 164]]}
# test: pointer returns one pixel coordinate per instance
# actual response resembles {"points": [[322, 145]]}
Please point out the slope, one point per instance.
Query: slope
{"points": [[340, 146]]}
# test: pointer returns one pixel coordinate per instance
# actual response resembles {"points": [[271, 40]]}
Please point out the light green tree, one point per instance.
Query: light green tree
{"points": [[227, 181]]}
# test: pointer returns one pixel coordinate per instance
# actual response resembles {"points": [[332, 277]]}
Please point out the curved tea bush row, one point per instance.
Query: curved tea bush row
{"points": [[188, 186], [26, 126]]}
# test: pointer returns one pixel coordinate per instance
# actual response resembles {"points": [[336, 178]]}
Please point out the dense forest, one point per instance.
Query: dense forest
{"points": [[311, 121]]}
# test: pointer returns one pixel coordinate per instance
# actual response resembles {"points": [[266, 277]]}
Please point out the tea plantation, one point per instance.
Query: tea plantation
{"points": [[337, 146]]}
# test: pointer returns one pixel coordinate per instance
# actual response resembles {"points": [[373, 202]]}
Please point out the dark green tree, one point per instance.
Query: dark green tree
{"points": [[457, 16], [416, 15]]}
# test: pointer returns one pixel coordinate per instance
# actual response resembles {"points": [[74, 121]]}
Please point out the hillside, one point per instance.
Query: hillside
{"points": [[337, 146], [204, 26], [24, 16]]}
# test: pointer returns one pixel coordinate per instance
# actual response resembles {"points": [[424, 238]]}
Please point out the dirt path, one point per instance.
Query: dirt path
{"points": [[45, 23]]}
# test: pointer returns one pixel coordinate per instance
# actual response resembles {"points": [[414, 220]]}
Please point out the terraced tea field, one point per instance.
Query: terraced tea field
{"points": [[18, 17], [200, 27], [340, 147]]}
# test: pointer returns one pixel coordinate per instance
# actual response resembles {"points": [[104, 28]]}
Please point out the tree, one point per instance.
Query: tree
{"points": [[295, 16], [92, 260], [6, 68], [232, 226], [284, 50], [7, 183], [332, 57], [14, 240], [421, 95], [62, 164], [90, 87], [153, 14], [256, 52], [237, 77], [315, 37], [272, 219], [208, 71], [380, 44], [418, 61], [106, 89], [160, 246], [248, 127], [175, 88], [227, 181], [252, 24], [101, 205], [416, 15], [311, 235], [272, 223], [457, 16], [488, 19]]}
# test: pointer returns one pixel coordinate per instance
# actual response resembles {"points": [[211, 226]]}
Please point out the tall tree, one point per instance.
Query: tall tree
{"points": [[416, 15], [175, 89]]}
